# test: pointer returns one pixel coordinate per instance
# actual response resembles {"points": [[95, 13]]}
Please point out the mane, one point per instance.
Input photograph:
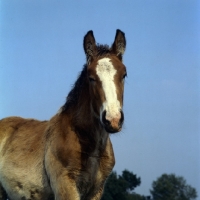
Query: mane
{"points": [[73, 96], [77, 104]]}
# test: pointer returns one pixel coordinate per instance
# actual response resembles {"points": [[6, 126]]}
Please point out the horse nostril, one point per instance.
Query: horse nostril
{"points": [[121, 119], [105, 121]]}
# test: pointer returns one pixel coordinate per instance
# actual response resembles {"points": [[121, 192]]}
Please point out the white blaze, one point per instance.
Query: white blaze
{"points": [[106, 73]]}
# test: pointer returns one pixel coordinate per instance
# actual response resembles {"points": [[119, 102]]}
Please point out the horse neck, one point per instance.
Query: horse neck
{"points": [[81, 116], [78, 106], [81, 113], [86, 125]]}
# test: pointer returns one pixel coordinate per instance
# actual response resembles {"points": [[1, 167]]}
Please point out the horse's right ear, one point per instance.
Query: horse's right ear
{"points": [[89, 46]]}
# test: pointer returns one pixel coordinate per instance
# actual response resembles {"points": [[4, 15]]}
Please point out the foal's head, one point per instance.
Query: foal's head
{"points": [[106, 74]]}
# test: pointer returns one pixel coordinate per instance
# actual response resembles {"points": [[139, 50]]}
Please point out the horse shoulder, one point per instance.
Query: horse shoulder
{"points": [[62, 142]]}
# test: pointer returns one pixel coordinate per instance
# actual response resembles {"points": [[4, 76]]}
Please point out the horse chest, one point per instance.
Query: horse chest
{"points": [[90, 177]]}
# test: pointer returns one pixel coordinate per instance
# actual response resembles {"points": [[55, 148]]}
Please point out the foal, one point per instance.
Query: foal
{"points": [[70, 156]]}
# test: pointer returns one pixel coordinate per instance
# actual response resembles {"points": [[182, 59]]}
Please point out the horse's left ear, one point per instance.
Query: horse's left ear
{"points": [[119, 44], [89, 46]]}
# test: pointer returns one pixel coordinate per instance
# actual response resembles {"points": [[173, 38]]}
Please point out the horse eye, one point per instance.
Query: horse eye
{"points": [[125, 75], [91, 79]]}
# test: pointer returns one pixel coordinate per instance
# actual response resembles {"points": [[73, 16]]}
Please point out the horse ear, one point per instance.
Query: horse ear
{"points": [[89, 45], [119, 44]]}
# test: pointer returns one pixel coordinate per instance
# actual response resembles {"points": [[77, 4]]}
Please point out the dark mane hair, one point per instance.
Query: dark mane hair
{"points": [[73, 96]]}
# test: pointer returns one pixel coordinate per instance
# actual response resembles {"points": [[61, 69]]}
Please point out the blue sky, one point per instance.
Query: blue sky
{"points": [[41, 54]]}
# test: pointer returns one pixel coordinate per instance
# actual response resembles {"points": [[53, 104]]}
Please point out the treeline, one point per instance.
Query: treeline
{"points": [[166, 187]]}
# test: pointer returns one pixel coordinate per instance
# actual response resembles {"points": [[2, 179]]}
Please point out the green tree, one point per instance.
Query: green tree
{"points": [[134, 196], [120, 187], [171, 187]]}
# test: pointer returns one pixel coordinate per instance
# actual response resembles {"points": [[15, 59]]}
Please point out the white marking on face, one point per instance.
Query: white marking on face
{"points": [[106, 72]]}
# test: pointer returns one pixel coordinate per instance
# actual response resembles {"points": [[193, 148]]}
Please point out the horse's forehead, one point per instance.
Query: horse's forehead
{"points": [[105, 67], [109, 66]]}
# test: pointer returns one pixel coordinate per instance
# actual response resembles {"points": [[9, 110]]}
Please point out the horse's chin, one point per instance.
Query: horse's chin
{"points": [[112, 130]]}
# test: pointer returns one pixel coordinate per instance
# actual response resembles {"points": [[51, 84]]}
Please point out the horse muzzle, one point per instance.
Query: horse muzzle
{"points": [[113, 125]]}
